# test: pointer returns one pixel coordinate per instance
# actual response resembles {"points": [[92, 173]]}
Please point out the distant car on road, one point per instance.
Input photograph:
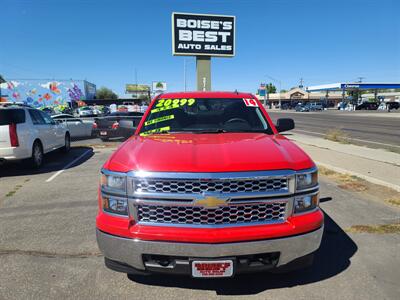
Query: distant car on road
{"points": [[28, 133], [76, 126], [367, 106], [117, 124]]}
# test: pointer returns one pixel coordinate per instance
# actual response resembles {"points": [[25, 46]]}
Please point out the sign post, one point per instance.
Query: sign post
{"points": [[203, 68], [203, 36]]}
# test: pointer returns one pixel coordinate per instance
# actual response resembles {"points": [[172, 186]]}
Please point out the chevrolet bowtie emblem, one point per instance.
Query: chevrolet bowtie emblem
{"points": [[210, 201]]}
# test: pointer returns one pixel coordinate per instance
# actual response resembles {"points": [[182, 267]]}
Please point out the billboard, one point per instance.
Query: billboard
{"points": [[159, 86], [90, 90], [136, 88], [198, 34]]}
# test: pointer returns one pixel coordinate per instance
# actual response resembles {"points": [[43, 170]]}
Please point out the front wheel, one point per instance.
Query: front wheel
{"points": [[67, 143]]}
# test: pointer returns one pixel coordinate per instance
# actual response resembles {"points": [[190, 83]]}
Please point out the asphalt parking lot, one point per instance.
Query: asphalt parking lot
{"points": [[48, 248]]}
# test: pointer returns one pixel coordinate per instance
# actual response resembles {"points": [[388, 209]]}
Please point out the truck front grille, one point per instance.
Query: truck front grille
{"points": [[199, 186], [223, 215]]}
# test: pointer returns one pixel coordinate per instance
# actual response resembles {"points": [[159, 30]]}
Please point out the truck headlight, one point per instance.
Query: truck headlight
{"points": [[113, 183], [117, 206], [305, 203], [114, 197], [306, 180]]}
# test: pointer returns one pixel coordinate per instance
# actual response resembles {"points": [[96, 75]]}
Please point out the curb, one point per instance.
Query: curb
{"points": [[365, 177]]}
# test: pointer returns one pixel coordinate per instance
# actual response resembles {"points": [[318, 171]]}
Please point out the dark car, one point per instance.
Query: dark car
{"points": [[367, 106], [117, 124], [393, 105], [303, 107], [286, 106]]}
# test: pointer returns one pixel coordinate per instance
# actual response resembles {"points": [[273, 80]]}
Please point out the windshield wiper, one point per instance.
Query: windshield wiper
{"points": [[217, 130]]}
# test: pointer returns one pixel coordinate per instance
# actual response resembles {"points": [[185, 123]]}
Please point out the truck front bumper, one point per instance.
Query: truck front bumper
{"points": [[131, 252]]}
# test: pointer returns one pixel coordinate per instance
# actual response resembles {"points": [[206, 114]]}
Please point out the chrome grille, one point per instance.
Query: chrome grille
{"points": [[199, 186], [223, 215]]}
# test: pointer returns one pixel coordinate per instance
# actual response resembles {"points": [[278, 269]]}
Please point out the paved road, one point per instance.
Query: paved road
{"points": [[48, 248], [380, 131]]}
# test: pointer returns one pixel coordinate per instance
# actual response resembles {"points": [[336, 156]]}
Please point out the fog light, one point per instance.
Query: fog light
{"points": [[305, 203], [115, 206]]}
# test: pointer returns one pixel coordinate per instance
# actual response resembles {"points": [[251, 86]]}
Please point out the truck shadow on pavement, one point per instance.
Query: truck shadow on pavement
{"points": [[53, 161], [332, 258]]}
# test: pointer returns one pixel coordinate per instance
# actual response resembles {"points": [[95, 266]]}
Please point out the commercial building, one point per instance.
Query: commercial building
{"points": [[332, 94], [46, 92], [299, 95]]}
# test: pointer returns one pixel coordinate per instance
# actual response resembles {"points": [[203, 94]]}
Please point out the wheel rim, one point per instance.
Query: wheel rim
{"points": [[37, 155]]}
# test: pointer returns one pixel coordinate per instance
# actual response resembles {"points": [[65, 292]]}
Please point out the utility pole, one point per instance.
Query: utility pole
{"points": [[359, 97], [301, 83]]}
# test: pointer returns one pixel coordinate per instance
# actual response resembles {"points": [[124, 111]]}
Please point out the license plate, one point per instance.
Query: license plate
{"points": [[212, 268], [103, 132]]}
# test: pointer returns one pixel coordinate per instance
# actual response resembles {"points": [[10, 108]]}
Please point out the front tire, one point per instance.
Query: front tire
{"points": [[36, 160], [67, 145]]}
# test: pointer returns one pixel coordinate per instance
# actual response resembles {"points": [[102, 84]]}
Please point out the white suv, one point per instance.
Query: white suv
{"points": [[28, 133]]}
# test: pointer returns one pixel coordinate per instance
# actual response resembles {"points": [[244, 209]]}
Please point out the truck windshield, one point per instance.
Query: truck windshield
{"points": [[205, 115]]}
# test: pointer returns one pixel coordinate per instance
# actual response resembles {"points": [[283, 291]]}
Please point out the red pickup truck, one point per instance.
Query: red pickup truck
{"points": [[208, 187]]}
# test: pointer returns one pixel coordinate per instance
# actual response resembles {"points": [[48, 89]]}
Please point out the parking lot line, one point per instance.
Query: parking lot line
{"points": [[354, 139], [68, 165]]}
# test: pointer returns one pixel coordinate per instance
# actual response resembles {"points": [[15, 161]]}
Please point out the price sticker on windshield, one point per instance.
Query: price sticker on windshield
{"points": [[250, 102]]}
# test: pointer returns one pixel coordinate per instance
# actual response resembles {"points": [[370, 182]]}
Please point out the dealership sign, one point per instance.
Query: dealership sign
{"points": [[198, 34]]}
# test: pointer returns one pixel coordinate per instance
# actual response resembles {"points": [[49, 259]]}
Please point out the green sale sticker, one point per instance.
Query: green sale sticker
{"points": [[158, 120]]}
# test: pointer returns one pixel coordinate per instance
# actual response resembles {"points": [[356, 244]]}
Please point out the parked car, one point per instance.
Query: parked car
{"points": [[85, 111], [28, 133], [208, 187], [302, 107], [393, 105], [341, 105], [117, 124], [286, 106], [367, 106], [316, 106], [76, 126]]}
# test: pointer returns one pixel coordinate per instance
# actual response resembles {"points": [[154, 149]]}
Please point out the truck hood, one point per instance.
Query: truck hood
{"points": [[223, 152]]}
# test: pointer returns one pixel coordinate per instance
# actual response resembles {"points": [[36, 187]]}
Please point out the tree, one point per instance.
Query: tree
{"points": [[271, 89], [106, 93], [283, 91]]}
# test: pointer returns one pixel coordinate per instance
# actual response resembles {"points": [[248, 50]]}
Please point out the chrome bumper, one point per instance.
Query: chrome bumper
{"points": [[130, 251]]}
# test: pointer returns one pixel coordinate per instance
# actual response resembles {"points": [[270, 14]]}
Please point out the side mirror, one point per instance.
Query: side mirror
{"points": [[284, 124]]}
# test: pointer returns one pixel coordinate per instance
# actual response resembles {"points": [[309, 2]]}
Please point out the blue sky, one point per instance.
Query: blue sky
{"points": [[104, 41]]}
